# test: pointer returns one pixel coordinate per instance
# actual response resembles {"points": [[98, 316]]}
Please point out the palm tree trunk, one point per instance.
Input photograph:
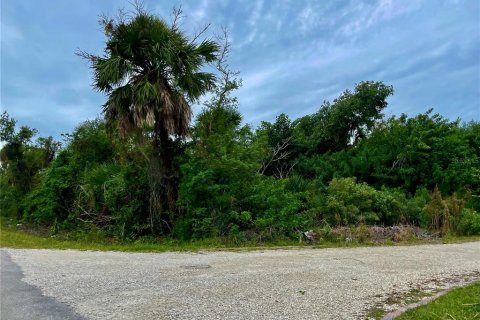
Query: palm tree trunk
{"points": [[155, 198], [169, 174], [163, 183]]}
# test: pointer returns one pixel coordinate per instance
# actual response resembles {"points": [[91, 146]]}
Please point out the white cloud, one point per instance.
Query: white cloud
{"points": [[291, 54], [253, 23], [307, 17], [365, 17], [258, 78], [200, 12], [384, 10]]}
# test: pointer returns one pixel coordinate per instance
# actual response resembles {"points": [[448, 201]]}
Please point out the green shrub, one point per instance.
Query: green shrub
{"points": [[111, 197], [52, 198], [349, 202], [361, 233], [469, 222], [212, 193], [235, 235], [279, 212], [182, 229], [325, 233], [437, 213]]}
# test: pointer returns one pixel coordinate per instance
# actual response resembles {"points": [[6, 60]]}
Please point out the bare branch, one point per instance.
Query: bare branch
{"points": [[228, 81], [278, 153], [104, 19], [200, 32], [87, 56], [84, 221], [225, 48], [177, 15], [122, 16], [139, 6], [284, 170]]}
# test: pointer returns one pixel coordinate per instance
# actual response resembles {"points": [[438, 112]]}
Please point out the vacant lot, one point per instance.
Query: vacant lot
{"points": [[273, 284]]}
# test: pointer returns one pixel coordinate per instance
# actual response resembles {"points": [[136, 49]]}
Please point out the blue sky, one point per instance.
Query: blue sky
{"points": [[292, 55]]}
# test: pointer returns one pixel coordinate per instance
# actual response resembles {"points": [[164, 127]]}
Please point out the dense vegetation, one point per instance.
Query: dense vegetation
{"points": [[146, 170]]}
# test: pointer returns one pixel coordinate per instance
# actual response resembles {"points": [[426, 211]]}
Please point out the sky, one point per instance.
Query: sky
{"points": [[292, 55]]}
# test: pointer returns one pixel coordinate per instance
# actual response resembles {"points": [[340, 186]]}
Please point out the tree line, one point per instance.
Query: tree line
{"points": [[147, 170]]}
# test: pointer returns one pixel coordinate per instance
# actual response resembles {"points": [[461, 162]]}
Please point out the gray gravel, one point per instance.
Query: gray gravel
{"points": [[21, 301], [270, 284]]}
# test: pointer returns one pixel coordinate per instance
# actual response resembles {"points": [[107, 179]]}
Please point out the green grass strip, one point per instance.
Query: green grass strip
{"points": [[12, 237], [458, 304]]}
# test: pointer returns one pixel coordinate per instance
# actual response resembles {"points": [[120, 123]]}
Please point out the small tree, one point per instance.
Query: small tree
{"points": [[437, 212]]}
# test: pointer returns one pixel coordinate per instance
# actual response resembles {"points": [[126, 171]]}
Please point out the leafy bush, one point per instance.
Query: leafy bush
{"points": [[211, 194], [326, 233], [110, 197], [51, 200], [349, 202], [469, 222], [279, 212]]}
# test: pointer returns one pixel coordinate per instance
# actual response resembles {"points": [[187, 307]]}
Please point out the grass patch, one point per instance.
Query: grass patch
{"points": [[446, 307], [458, 304], [13, 237], [21, 239], [24, 238], [378, 311], [416, 295]]}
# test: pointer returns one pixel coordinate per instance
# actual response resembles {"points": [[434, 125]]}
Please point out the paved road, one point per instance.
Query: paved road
{"points": [[273, 284], [21, 301]]}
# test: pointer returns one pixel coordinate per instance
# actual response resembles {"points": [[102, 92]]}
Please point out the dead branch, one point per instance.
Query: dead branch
{"points": [[139, 6], [177, 15], [284, 170], [87, 56], [200, 32], [279, 153]]}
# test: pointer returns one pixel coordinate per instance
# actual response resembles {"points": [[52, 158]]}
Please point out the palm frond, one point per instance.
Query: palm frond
{"points": [[208, 50], [110, 72], [151, 73]]}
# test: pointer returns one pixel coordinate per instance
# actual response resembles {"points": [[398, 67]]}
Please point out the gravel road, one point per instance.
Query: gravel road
{"points": [[270, 284]]}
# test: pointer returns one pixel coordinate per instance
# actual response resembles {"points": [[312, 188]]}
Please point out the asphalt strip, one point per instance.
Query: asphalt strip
{"points": [[22, 301]]}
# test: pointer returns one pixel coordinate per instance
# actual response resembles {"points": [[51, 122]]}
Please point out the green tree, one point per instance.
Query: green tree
{"points": [[53, 198], [20, 161], [220, 117], [152, 72], [218, 167], [348, 119], [279, 154], [425, 150]]}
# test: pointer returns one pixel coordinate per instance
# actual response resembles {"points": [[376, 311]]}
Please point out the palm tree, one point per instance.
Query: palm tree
{"points": [[151, 73]]}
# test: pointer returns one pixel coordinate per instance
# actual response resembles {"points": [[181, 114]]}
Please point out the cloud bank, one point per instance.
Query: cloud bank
{"points": [[292, 55]]}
